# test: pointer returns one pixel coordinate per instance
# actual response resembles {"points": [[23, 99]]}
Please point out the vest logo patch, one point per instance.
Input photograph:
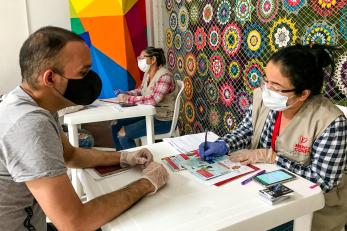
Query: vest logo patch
{"points": [[300, 147]]}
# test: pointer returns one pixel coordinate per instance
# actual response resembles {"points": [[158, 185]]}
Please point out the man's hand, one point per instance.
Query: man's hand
{"points": [[213, 149], [251, 156], [141, 157], [156, 174]]}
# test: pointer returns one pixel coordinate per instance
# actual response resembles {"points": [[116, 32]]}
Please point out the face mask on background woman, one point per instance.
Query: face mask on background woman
{"points": [[142, 64]]}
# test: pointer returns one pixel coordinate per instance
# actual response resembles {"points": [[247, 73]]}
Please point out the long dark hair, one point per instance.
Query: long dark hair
{"points": [[306, 65]]}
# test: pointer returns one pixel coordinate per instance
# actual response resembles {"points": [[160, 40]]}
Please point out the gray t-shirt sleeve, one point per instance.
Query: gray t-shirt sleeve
{"points": [[34, 148]]}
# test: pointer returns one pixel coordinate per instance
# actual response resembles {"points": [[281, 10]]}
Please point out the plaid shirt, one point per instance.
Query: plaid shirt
{"points": [[328, 158], [162, 87]]}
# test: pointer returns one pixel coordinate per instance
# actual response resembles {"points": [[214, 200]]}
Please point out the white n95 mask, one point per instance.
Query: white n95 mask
{"points": [[274, 100], [142, 64]]}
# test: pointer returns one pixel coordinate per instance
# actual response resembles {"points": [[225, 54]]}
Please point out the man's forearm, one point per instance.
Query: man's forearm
{"points": [[85, 158], [101, 210]]}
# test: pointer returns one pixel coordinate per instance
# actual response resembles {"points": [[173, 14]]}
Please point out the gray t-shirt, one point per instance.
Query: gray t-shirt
{"points": [[30, 148]]}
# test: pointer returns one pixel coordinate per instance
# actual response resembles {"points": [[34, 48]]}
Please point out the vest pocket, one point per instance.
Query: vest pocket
{"points": [[335, 196], [332, 197]]}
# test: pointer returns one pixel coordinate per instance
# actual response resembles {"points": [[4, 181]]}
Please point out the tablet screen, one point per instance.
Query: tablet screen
{"points": [[274, 177]]}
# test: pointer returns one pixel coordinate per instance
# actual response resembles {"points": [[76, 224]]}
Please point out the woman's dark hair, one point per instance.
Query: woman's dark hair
{"points": [[158, 53], [305, 65]]}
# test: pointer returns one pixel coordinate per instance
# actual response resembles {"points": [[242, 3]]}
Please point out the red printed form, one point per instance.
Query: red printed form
{"points": [[217, 172]]}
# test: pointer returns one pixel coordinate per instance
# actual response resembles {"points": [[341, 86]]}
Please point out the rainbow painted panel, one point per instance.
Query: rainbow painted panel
{"points": [[115, 31]]}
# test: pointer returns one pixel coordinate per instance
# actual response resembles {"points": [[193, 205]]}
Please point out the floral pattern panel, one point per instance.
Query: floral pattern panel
{"points": [[219, 49]]}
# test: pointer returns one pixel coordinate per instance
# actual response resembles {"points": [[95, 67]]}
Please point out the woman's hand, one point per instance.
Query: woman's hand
{"points": [[122, 97], [251, 156]]}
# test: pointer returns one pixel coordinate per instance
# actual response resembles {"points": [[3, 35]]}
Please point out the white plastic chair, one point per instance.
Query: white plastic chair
{"points": [[343, 109], [173, 130]]}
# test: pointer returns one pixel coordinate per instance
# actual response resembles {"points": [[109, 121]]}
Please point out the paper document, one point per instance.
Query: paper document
{"points": [[190, 142], [217, 172], [110, 100]]}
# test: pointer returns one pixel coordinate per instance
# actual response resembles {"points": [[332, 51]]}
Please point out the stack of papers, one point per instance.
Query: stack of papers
{"points": [[217, 172], [188, 143]]}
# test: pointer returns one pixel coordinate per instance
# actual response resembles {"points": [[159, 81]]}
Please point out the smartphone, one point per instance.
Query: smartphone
{"points": [[274, 177]]}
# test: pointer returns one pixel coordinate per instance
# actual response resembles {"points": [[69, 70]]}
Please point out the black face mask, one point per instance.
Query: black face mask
{"points": [[84, 91]]}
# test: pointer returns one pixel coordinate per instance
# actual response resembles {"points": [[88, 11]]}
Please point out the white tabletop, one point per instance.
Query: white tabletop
{"points": [[103, 111], [187, 204]]}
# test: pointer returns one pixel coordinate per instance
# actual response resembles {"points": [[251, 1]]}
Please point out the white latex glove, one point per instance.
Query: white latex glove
{"points": [[141, 157], [251, 156], [156, 174]]}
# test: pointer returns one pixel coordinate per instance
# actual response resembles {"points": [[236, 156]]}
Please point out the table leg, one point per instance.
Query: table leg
{"points": [[303, 223], [73, 138], [150, 129], [73, 135]]}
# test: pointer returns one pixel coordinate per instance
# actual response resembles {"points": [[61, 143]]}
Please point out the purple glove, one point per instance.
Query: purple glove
{"points": [[118, 91], [213, 149]]}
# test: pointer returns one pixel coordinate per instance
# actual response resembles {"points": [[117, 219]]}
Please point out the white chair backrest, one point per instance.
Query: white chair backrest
{"points": [[343, 109], [180, 84]]}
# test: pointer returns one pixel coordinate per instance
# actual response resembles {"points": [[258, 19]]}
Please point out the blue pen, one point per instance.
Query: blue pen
{"points": [[205, 145], [251, 178]]}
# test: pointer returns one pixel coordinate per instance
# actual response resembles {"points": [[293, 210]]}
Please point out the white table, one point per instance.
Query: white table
{"points": [[103, 111], [187, 204]]}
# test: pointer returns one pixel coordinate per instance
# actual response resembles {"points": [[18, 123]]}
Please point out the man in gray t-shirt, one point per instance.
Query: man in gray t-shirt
{"points": [[34, 153], [30, 136]]}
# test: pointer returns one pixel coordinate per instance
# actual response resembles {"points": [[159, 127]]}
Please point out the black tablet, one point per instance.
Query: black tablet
{"points": [[274, 177]]}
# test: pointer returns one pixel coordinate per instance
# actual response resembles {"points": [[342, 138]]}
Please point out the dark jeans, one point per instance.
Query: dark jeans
{"points": [[135, 128]]}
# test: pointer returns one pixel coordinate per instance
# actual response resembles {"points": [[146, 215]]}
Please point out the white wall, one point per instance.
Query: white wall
{"points": [[19, 18], [48, 13], [13, 24], [157, 20]]}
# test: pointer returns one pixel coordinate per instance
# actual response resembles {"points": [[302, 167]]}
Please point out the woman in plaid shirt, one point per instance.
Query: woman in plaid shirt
{"points": [[291, 124], [158, 88]]}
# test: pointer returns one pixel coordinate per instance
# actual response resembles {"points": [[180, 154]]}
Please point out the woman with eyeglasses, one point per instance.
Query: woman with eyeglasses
{"points": [[158, 88], [291, 124]]}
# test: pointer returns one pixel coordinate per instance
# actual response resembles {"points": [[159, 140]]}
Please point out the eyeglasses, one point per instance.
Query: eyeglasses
{"points": [[274, 87], [143, 57]]}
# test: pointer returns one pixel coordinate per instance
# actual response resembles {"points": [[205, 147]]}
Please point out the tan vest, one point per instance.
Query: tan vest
{"points": [[295, 142], [164, 108]]}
